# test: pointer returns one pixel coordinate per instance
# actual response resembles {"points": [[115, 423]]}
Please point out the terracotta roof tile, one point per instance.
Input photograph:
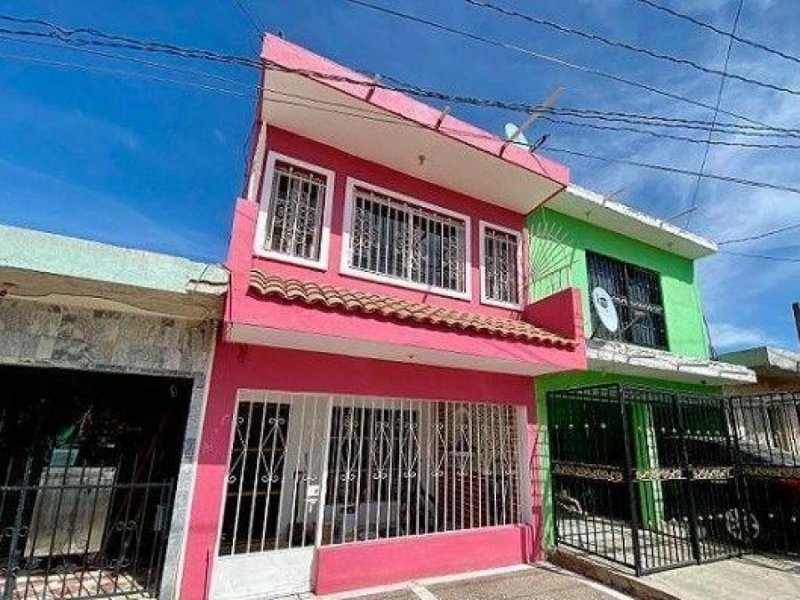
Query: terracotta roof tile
{"points": [[308, 292]]}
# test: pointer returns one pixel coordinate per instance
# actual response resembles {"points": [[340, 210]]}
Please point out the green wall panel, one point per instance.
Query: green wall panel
{"points": [[686, 332]]}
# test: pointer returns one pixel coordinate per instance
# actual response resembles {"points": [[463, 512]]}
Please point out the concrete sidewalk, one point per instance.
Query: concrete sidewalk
{"points": [[523, 582], [753, 577]]}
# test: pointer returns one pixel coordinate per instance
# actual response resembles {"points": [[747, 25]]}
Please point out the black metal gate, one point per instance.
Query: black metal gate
{"points": [[86, 484], [655, 479]]}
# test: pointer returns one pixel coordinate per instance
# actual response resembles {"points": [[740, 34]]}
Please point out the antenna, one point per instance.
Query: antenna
{"points": [[516, 134]]}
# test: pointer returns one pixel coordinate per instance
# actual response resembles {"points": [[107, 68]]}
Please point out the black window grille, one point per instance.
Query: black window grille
{"points": [[636, 293]]}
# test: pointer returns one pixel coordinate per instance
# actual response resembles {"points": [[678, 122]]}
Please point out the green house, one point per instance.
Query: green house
{"points": [[651, 372]]}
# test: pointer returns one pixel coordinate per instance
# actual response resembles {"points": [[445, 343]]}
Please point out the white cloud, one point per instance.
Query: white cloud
{"points": [[726, 336]]}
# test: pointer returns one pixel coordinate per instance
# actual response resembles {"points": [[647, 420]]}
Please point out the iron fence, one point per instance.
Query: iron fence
{"points": [[655, 479], [74, 527]]}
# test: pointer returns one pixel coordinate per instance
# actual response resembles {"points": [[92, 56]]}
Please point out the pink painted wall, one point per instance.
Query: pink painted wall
{"points": [[256, 367], [352, 566], [345, 165]]}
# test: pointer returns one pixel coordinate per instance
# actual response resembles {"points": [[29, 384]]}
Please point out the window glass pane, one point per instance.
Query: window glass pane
{"points": [[296, 208], [403, 241]]}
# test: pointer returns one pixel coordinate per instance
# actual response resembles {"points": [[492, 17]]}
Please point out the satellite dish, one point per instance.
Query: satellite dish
{"points": [[605, 309], [519, 138]]}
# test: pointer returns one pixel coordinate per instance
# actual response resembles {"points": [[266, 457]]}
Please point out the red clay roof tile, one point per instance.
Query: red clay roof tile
{"points": [[311, 293]]}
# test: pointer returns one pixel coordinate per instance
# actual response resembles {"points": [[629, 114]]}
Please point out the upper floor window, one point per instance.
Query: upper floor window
{"points": [[395, 239], [294, 222], [500, 266], [636, 293]]}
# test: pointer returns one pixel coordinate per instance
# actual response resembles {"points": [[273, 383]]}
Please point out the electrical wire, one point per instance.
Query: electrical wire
{"points": [[679, 171], [403, 122], [717, 30], [760, 236], [662, 135], [400, 121], [259, 30], [630, 47], [68, 37], [720, 89], [548, 58], [788, 259]]}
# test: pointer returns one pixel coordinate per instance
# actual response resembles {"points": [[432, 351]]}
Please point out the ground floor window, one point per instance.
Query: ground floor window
{"points": [[316, 470]]}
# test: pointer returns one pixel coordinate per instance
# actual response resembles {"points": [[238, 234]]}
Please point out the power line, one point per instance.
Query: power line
{"points": [[654, 121], [229, 91], [548, 58], [721, 88], [760, 236], [677, 170], [121, 72], [68, 37], [661, 135], [630, 47], [326, 107], [130, 59], [253, 21], [719, 31], [665, 168], [789, 259]]}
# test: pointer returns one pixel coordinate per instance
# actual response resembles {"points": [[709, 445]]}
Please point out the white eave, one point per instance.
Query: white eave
{"points": [[768, 360], [591, 207], [626, 359]]}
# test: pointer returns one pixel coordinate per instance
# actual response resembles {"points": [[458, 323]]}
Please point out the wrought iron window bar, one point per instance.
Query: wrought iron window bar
{"points": [[500, 266], [403, 241], [311, 470], [295, 213]]}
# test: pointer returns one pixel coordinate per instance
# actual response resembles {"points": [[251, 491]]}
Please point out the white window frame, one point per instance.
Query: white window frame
{"points": [[483, 226], [346, 269], [260, 240]]}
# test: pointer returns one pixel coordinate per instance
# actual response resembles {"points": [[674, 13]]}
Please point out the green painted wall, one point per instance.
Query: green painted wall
{"points": [[686, 333]]}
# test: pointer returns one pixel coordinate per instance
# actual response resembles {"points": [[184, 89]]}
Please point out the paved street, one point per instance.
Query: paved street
{"points": [[541, 582]]}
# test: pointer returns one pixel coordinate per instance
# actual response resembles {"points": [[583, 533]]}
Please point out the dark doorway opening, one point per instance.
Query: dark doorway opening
{"points": [[88, 463]]}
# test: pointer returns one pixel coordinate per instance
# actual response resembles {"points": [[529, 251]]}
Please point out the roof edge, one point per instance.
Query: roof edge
{"points": [[698, 245], [765, 356], [292, 56], [53, 254]]}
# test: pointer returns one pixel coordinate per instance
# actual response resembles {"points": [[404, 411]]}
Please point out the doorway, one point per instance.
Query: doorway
{"points": [[88, 463]]}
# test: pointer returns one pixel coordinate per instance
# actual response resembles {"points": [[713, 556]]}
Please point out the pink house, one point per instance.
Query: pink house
{"points": [[370, 413]]}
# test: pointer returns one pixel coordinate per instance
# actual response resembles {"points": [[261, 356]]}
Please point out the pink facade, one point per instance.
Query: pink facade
{"points": [[302, 344]]}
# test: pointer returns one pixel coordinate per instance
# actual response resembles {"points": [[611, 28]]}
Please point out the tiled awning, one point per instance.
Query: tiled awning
{"points": [[388, 307]]}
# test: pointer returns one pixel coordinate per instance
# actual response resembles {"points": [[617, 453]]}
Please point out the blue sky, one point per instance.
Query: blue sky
{"points": [[152, 164]]}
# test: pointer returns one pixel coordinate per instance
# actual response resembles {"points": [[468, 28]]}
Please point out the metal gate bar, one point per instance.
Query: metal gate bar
{"points": [[653, 479], [81, 531]]}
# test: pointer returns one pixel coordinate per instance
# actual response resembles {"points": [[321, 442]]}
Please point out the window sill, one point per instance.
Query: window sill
{"points": [[319, 265], [409, 285], [500, 304]]}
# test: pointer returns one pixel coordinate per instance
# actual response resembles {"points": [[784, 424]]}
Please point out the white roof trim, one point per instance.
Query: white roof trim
{"points": [[766, 357], [589, 206], [626, 359]]}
